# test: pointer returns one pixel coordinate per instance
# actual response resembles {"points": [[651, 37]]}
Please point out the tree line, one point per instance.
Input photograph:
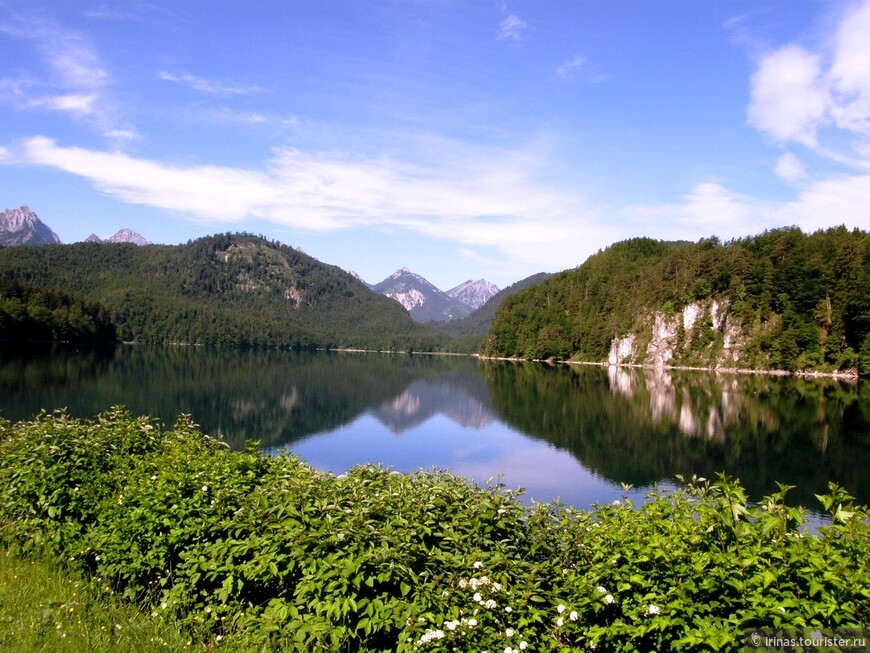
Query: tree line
{"points": [[228, 289], [801, 300]]}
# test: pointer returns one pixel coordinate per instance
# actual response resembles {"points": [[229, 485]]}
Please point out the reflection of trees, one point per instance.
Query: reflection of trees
{"points": [[628, 425], [641, 426], [272, 396]]}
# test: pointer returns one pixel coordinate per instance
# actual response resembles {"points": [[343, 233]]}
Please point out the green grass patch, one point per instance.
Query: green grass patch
{"points": [[257, 553], [44, 608]]}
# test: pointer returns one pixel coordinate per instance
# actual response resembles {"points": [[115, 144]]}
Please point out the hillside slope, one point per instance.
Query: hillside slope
{"points": [[780, 300], [224, 289]]}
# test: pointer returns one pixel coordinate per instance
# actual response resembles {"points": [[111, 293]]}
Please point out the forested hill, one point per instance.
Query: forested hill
{"points": [[780, 300], [224, 289]]}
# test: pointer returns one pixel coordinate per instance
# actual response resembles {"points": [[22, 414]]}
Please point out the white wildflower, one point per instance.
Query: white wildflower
{"points": [[573, 616], [509, 633], [608, 598], [508, 609], [559, 622], [616, 502], [524, 645], [653, 609], [472, 622], [205, 488], [218, 638], [560, 608], [430, 635], [451, 625], [477, 565], [490, 605], [463, 583], [477, 597], [602, 590], [501, 511]]}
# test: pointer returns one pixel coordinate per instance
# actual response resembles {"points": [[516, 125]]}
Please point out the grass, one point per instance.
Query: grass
{"points": [[46, 609]]}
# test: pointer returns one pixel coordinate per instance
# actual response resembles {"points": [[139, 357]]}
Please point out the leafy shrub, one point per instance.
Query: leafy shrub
{"points": [[264, 553]]}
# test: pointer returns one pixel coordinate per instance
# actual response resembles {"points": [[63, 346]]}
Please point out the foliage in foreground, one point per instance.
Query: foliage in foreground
{"points": [[267, 554]]}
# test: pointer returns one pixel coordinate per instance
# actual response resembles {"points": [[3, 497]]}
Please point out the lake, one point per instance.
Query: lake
{"points": [[571, 432]]}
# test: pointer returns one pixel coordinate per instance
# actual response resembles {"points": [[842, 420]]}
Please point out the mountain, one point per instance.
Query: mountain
{"points": [[121, 236], [781, 300], [473, 294], [421, 299], [22, 226], [470, 330], [229, 289]]}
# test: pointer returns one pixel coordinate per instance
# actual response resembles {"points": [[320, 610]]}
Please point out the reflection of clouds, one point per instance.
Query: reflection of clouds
{"points": [[544, 472]]}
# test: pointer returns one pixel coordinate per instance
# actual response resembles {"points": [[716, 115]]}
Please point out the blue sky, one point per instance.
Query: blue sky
{"points": [[463, 140]]}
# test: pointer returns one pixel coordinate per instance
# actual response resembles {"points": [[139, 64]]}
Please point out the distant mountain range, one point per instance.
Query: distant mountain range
{"points": [[122, 236], [241, 290], [22, 226], [426, 303]]}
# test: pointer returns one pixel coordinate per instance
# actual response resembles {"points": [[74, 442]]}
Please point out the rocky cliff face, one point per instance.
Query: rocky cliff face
{"points": [[701, 334], [22, 226]]}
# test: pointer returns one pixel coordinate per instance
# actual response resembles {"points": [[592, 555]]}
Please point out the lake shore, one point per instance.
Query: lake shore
{"points": [[851, 375]]}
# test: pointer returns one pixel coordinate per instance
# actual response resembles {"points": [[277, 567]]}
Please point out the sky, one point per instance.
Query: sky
{"points": [[461, 139]]}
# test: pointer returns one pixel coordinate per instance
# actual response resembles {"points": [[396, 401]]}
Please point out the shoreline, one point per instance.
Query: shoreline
{"points": [[851, 376]]}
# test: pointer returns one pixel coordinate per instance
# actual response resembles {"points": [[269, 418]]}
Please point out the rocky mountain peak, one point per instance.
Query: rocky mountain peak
{"points": [[473, 294], [121, 236], [127, 236], [22, 226]]}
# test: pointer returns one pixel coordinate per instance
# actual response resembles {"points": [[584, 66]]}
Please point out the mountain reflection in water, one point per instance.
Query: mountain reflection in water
{"points": [[575, 432]]}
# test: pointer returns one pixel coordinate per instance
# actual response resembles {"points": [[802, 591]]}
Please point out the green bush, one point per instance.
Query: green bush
{"points": [[264, 553]]}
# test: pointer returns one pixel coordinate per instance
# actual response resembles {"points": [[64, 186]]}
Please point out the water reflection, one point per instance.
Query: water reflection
{"points": [[574, 432], [645, 425]]}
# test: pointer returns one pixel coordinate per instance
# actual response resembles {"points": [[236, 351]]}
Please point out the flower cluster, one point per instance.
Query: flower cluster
{"points": [[483, 609]]}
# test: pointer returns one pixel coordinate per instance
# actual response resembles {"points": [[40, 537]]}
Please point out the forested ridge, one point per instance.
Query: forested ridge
{"points": [[31, 313], [797, 301], [229, 289]]}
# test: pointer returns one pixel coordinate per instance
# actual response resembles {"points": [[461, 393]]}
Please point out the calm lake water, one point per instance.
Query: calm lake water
{"points": [[575, 433]]}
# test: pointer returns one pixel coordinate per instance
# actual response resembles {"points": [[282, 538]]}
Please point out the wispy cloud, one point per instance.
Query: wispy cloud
{"points": [[512, 28], [578, 68], [570, 68], [212, 87], [76, 79], [482, 199], [790, 168]]}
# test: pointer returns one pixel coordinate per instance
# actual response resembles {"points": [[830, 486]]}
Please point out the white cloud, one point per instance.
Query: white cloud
{"points": [[788, 98], [512, 28], [479, 198], [209, 86], [708, 209], [790, 168], [830, 203], [797, 94]]}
